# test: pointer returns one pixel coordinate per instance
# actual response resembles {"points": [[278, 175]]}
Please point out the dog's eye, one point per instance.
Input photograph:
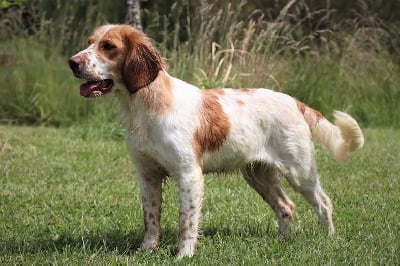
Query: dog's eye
{"points": [[108, 46]]}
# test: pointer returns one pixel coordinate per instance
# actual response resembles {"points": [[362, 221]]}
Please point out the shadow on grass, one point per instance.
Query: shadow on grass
{"points": [[114, 241], [118, 242]]}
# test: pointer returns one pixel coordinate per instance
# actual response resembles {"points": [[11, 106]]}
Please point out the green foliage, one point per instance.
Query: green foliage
{"points": [[34, 90], [71, 198], [8, 3], [307, 50]]}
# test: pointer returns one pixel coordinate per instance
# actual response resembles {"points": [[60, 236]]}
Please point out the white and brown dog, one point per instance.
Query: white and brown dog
{"points": [[176, 129]]}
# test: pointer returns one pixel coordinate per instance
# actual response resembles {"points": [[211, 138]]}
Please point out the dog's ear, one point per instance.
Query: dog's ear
{"points": [[142, 62]]}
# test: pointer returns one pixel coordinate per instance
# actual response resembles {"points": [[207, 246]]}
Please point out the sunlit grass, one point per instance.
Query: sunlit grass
{"points": [[72, 198]]}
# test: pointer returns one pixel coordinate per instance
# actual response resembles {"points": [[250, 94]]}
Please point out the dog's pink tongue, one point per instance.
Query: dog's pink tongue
{"points": [[86, 88]]}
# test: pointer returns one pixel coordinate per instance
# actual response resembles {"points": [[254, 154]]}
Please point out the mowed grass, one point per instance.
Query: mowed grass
{"points": [[69, 196]]}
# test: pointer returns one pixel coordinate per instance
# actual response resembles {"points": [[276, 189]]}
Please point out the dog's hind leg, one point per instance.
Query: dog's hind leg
{"points": [[264, 179], [306, 181], [322, 206]]}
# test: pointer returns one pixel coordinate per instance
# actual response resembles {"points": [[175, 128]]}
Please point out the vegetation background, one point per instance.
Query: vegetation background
{"points": [[330, 54]]}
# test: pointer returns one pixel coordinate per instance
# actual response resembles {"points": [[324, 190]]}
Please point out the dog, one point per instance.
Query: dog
{"points": [[176, 129]]}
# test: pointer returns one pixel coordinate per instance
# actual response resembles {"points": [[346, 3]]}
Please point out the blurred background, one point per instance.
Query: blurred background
{"points": [[329, 54]]}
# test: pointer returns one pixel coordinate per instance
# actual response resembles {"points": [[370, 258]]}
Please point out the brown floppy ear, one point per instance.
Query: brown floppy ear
{"points": [[142, 62]]}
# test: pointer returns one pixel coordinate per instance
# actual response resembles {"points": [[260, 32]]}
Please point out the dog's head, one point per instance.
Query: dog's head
{"points": [[116, 54]]}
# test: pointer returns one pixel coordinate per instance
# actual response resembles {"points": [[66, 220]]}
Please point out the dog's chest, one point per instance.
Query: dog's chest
{"points": [[144, 136], [164, 141]]}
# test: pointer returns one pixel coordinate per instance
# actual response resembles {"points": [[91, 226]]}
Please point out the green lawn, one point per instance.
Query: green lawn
{"points": [[69, 196]]}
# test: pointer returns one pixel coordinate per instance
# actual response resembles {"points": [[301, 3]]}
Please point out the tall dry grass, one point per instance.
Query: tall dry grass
{"points": [[348, 65]]}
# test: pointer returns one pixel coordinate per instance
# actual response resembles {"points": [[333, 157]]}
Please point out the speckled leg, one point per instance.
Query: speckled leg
{"points": [[264, 179], [150, 188], [191, 190]]}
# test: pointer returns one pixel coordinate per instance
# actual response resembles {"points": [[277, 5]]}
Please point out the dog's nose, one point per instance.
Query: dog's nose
{"points": [[74, 63]]}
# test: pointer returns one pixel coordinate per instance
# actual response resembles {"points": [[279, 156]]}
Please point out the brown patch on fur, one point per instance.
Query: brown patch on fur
{"points": [[312, 116], [157, 97], [301, 106], [304, 107], [214, 125], [240, 102], [217, 91], [142, 61], [185, 190]]}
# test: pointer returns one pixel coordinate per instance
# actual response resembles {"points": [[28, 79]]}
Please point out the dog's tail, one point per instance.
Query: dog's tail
{"points": [[341, 139]]}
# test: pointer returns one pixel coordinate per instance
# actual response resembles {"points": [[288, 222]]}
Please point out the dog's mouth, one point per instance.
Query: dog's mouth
{"points": [[92, 89]]}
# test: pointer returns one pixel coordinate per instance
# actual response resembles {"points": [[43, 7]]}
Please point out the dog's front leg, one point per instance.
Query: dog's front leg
{"points": [[191, 190], [150, 188]]}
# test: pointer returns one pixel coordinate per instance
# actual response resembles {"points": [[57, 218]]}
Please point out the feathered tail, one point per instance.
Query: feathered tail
{"points": [[341, 139]]}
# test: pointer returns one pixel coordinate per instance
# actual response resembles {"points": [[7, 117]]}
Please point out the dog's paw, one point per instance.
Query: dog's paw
{"points": [[150, 244], [185, 250]]}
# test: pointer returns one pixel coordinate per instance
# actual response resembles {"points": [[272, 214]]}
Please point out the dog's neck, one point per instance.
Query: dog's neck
{"points": [[154, 99]]}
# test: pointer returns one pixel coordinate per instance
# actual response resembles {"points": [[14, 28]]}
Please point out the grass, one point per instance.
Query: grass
{"points": [[69, 196]]}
